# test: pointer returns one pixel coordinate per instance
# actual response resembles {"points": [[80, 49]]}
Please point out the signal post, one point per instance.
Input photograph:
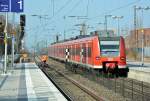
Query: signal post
{"points": [[5, 7]]}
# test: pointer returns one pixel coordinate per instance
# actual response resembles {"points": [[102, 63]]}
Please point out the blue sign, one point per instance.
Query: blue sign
{"points": [[4, 5], [17, 5]]}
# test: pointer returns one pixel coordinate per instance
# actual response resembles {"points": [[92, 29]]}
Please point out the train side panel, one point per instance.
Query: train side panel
{"points": [[86, 52], [96, 54], [83, 52], [122, 60]]}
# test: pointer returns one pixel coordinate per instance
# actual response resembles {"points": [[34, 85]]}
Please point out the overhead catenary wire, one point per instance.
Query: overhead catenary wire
{"points": [[73, 7], [71, 10], [77, 4], [60, 9], [102, 14], [115, 9]]}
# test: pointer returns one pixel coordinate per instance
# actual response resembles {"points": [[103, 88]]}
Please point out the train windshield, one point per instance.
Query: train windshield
{"points": [[109, 47]]}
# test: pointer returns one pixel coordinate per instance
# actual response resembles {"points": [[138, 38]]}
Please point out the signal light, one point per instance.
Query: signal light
{"points": [[22, 32], [22, 28], [22, 20]]}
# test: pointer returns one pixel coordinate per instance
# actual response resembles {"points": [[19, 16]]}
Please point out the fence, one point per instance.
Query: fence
{"points": [[132, 89], [128, 88]]}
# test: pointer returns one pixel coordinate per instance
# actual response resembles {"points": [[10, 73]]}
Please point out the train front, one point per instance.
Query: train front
{"points": [[113, 56]]}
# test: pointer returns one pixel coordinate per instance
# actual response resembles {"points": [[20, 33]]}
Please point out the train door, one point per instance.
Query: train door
{"points": [[73, 52], [78, 52], [83, 53], [59, 51], [89, 54], [54, 50], [86, 53], [64, 52], [67, 54]]}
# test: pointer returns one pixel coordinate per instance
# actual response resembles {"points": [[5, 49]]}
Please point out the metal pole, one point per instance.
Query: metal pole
{"points": [[142, 33], [136, 35], [105, 24], [46, 47], [5, 40], [12, 51], [84, 28], [118, 18], [64, 34], [118, 27], [64, 28], [13, 21]]}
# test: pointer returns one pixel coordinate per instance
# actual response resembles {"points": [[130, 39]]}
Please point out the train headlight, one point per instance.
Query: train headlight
{"points": [[98, 58], [122, 58]]}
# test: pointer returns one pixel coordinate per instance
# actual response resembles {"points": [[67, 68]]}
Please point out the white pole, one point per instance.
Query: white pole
{"points": [[13, 21], [142, 40], [5, 40]]}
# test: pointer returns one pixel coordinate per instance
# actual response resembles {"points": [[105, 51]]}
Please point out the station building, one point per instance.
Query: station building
{"points": [[134, 41]]}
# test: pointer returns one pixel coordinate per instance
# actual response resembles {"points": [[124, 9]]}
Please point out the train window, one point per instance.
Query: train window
{"points": [[73, 51], [89, 51], [109, 48], [70, 51], [77, 51], [84, 52]]}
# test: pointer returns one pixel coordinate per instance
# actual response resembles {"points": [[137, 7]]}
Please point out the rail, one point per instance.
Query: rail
{"points": [[51, 79], [88, 91], [82, 87], [128, 88]]}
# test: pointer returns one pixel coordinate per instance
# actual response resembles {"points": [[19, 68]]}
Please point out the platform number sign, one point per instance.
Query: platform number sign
{"points": [[4, 6], [17, 5], [11, 5]]}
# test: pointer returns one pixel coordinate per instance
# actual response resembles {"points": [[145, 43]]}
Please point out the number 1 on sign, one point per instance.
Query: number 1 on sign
{"points": [[20, 2]]}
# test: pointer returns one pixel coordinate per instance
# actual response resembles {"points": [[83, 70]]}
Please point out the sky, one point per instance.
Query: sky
{"points": [[55, 17]]}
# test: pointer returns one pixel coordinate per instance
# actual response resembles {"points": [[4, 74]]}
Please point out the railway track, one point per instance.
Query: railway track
{"points": [[128, 88], [88, 85], [74, 90]]}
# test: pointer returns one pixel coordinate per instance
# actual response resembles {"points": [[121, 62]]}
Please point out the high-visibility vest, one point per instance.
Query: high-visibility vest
{"points": [[44, 58]]}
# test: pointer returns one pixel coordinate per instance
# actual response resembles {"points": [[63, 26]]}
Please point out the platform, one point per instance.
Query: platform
{"points": [[28, 83], [139, 72], [137, 66]]}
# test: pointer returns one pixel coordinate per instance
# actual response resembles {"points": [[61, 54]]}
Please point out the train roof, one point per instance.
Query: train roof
{"points": [[73, 38], [109, 38], [87, 36]]}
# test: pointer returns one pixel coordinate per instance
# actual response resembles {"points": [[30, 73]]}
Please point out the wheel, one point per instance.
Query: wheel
{"points": [[116, 72], [125, 74]]}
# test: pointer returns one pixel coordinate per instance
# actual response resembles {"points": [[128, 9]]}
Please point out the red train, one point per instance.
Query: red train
{"points": [[105, 54]]}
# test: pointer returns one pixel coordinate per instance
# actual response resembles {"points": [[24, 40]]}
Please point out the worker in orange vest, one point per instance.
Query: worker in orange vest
{"points": [[44, 58]]}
